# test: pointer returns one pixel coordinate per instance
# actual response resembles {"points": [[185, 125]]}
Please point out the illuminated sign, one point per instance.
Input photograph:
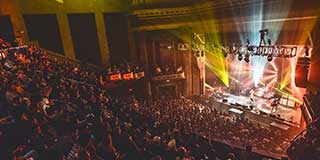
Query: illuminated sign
{"points": [[128, 76], [115, 77], [139, 75]]}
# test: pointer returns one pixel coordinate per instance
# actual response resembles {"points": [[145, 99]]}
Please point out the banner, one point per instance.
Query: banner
{"points": [[115, 77], [128, 76]]}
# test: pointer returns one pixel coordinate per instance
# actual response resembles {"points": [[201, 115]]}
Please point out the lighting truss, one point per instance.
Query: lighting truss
{"points": [[283, 51], [263, 49]]}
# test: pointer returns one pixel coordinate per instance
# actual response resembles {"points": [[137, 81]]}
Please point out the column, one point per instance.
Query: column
{"points": [[103, 40], [154, 53], [145, 61], [11, 7], [187, 58], [65, 34], [195, 72]]}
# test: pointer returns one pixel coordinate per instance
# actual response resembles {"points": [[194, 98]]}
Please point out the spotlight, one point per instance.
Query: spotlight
{"points": [[246, 58], [233, 49], [225, 51], [202, 53], [259, 50], [269, 58], [240, 57], [225, 54]]}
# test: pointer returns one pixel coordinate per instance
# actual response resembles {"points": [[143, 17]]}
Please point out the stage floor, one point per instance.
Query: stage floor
{"points": [[289, 114]]}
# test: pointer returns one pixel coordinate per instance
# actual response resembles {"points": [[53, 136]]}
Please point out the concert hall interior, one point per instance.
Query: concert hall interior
{"points": [[159, 79]]}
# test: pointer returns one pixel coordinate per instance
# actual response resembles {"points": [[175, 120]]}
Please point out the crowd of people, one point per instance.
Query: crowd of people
{"points": [[52, 109], [3, 44], [306, 144], [123, 68], [195, 118], [168, 69]]}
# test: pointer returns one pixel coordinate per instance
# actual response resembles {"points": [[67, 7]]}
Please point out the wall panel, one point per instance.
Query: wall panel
{"points": [[117, 34], [84, 36], [6, 30], [44, 29]]}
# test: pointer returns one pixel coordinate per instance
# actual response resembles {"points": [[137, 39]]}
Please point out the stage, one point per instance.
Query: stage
{"points": [[258, 109]]}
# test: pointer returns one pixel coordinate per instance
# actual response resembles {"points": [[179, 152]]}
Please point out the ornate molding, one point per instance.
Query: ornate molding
{"points": [[197, 8], [212, 12]]}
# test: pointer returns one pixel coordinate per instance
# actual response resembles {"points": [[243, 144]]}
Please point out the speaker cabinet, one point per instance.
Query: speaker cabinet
{"points": [[302, 71]]}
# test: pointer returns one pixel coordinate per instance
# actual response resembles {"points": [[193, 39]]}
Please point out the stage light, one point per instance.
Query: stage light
{"points": [[240, 57], [234, 49], [225, 54], [265, 51], [246, 58], [202, 53], [269, 58], [259, 50], [225, 51]]}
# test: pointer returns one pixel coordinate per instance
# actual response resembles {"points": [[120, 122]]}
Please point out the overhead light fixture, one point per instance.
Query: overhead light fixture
{"points": [[225, 54], [202, 53], [269, 58], [225, 51], [246, 58], [234, 49], [240, 57]]}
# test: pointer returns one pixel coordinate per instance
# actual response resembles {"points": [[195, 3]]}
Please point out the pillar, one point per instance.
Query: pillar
{"points": [[65, 35], [187, 55], [195, 74], [12, 8], [145, 60], [102, 38]]}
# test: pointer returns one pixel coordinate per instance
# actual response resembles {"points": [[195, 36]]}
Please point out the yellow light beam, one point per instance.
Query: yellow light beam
{"points": [[60, 1]]}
